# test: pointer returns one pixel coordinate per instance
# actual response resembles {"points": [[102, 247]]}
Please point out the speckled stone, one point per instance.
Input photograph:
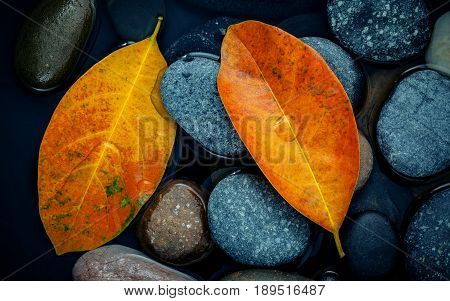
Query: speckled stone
{"points": [[346, 69], [174, 226], [263, 275], [427, 239], [250, 221], [370, 243], [135, 20], [207, 38], [307, 25], [116, 262], [189, 93], [45, 58], [365, 161], [381, 30], [413, 128], [438, 52]]}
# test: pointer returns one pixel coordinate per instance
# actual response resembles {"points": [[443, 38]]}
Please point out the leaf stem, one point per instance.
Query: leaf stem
{"points": [[157, 28], [338, 244]]}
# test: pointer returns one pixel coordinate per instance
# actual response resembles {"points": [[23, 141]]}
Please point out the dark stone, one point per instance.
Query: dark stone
{"points": [[365, 161], [116, 262], [135, 20], [205, 38], [174, 226], [413, 127], [189, 92], [439, 48], [329, 276], [263, 275], [252, 223], [427, 239], [259, 8], [307, 25], [346, 69], [370, 243], [46, 54], [381, 30]]}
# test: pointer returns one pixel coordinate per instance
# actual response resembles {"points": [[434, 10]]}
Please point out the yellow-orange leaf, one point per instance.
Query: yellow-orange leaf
{"points": [[105, 149], [294, 117]]}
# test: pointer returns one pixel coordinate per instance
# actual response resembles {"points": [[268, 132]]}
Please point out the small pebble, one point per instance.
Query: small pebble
{"points": [[205, 38], [307, 25], [329, 276], [370, 243], [263, 275], [341, 63], [189, 93], [413, 127], [381, 30], [174, 226], [253, 224], [427, 239], [438, 52], [365, 161], [116, 262]]}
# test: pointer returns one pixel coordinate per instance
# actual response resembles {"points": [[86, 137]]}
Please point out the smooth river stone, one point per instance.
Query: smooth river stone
{"points": [[263, 275], [365, 161], [341, 63], [204, 38], [189, 93], [46, 55], [253, 224], [135, 20], [260, 8], [116, 262], [370, 243], [174, 227], [427, 239], [381, 30], [307, 25], [413, 127], [438, 52]]}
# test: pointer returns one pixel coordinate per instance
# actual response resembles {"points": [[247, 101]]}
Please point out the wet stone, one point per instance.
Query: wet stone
{"points": [[263, 275], [412, 130], [381, 30], [204, 38], [369, 244], [252, 223], [365, 161], [307, 25], [341, 63], [174, 226], [116, 262], [329, 276], [46, 55], [439, 49], [189, 93], [427, 239], [135, 20]]}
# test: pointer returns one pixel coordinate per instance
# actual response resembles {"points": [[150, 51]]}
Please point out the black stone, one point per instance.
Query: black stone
{"points": [[46, 54], [427, 239], [135, 20], [307, 25]]}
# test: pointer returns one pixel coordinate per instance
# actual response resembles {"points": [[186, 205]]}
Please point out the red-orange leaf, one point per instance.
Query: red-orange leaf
{"points": [[294, 117], [105, 149]]}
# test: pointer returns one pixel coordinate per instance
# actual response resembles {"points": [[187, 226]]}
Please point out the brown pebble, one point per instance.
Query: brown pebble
{"points": [[365, 161]]}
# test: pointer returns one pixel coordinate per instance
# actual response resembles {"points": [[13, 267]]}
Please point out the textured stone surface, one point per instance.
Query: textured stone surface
{"points": [[307, 25], [427, 239], [263, 275], [365, 161], [250, 221], [135, 20], [370, 244], [346, 69], [115, 262], [438, 52], [174, 226], [381, 30], [189, 92], [46, 55], [329, 276], [413, 127], [207, 38]]}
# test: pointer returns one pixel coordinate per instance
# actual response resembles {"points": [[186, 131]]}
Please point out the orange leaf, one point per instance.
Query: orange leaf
{"points": [[294, 117], [105, 149]]}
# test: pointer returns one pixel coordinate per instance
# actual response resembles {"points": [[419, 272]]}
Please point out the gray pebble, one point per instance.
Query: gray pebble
{"points": [[189, 92], [365, 161], [413, 127], [438, 52], [263, 275], [427, 239], [346, 69], [381, 30], [253, 224]]}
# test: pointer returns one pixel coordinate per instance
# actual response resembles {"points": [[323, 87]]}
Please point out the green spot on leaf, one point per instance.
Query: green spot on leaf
{"points": [[114, 187], [125, 201]]}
